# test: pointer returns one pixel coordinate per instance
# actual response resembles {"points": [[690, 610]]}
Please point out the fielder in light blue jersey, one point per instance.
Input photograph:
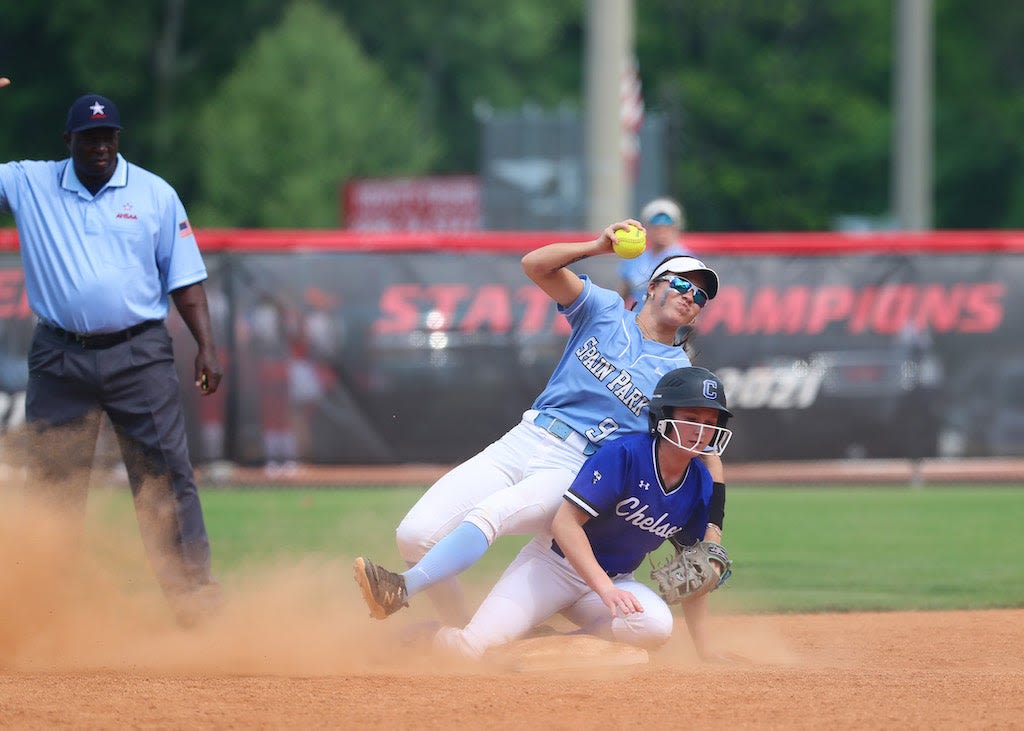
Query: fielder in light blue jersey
{"points": [[598, 393], [628, 499]]}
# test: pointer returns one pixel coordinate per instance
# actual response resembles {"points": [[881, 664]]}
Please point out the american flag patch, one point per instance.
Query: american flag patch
{"points": [[184, 229]]}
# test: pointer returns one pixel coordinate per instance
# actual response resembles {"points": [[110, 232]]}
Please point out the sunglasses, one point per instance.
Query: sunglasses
{"points": [[682, 286]]}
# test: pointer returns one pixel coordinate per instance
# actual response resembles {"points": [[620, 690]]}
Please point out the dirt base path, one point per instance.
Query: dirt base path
{"points": [[246, 670]]}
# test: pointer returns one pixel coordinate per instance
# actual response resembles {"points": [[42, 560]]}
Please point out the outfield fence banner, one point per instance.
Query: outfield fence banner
{"points": [[376, 348]]}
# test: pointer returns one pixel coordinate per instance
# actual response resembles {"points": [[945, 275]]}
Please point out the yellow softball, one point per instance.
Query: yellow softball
{"points": [[630, 243]]}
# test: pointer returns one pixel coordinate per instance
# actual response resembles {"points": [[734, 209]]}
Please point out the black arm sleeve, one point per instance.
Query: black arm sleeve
{"points": [[716, 508]]}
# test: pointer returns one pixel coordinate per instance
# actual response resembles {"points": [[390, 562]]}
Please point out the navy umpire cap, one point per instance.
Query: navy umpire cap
{"points": [[92, 110]]}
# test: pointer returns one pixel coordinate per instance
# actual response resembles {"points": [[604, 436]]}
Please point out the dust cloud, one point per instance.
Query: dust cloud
{"points": [[79, 600], [84, 599]]}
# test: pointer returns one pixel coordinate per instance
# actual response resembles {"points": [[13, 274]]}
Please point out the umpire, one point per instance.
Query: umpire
{"points": [[103, 243]]}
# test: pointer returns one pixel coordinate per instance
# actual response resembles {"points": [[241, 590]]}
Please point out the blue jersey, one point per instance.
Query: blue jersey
{"points": [[632, 512], [104, 262], [608, 370]]}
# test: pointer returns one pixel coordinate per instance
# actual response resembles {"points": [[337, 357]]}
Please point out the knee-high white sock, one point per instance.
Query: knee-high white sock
{"points": [[451, 555]]}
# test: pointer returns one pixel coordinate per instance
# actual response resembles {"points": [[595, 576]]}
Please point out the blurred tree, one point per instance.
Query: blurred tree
{"points": [[979, 115], [195, 46], [158, 60], [451, 57], [34, 108], [779, 112], [303, 110]]}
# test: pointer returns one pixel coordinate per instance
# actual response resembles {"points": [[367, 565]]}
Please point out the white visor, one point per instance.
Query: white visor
{"points": [[684, 265]]}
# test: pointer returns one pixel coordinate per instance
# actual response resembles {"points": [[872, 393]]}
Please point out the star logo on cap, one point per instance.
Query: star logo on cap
{"points": [[97, 110]]}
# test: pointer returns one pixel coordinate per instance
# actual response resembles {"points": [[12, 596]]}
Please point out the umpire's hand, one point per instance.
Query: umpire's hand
{"points": [[4, 81]]}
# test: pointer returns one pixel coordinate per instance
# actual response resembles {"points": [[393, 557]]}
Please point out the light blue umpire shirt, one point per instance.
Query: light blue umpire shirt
{"points": [[98, 264]]}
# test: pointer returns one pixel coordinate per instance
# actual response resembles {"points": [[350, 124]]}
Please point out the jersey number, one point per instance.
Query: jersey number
{"points": [[602, 431]]}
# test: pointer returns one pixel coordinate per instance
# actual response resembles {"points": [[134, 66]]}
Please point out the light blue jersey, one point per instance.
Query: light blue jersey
{"points": [[102, 263], [608, 371], [637, 271], [632, 512]]}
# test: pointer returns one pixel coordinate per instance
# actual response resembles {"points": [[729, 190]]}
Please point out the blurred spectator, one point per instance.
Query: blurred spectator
{"points": [[921, 382], [269, 329], [292, 347], [311, 348]]}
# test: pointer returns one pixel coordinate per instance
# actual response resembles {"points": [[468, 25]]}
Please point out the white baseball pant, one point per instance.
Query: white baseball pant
{"points": [[513, 487], [538, 584]]}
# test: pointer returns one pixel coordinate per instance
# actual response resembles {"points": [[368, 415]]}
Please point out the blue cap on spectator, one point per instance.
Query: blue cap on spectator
{"points": [[92, 110], [663, 212]]}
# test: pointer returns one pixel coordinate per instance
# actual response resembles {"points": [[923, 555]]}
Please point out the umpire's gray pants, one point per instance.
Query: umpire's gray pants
{"points": [[136, 384]]}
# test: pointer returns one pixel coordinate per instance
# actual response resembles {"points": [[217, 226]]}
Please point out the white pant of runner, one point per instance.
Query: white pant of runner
{"points": [[539, 584], [513, 487]]}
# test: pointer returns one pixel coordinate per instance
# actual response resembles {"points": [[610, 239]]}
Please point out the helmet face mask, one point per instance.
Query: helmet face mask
{"points": [[690, 388], [693, 436]]}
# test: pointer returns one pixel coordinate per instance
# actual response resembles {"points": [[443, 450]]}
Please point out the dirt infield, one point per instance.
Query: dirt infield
{"points": [[269, 670], [294, 648]]}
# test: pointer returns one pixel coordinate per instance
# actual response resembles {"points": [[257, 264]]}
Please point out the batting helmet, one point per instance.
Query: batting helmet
{"points": [[694, 387]]}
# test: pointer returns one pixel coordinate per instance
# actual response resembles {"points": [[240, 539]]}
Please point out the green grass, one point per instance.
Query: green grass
{"points": [[794, 549], [876, 548], [259, 525]]}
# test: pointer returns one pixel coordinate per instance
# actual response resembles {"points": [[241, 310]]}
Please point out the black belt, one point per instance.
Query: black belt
{"points": [[101, 340], [558, 550]]}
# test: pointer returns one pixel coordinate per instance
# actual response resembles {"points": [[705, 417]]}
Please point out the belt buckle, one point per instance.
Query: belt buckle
{"points": [[563, 431], [82, 340], [559, 428]]}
